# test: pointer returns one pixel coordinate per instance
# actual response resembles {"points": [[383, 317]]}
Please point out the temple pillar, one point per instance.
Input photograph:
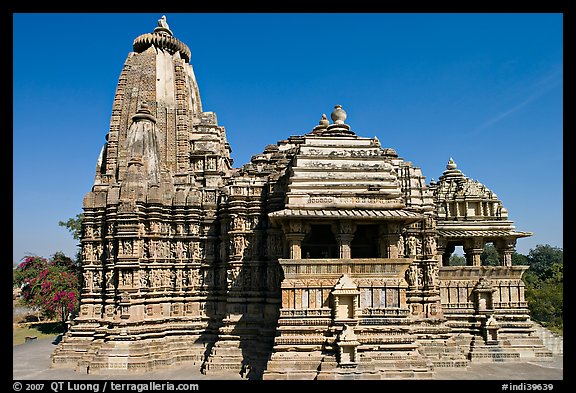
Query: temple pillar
{"points": [[505, 250], [295, 234], [344, 237], [295, 245], [473, 249], [440, 252], [344, 244], [393, 241]]}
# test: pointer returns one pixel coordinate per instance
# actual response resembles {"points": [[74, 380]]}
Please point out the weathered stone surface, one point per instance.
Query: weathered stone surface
{"points": [[322, 258]]}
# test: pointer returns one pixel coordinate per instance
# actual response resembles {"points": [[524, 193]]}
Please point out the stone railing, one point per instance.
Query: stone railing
{"points": [[475, 272], [501, 287], [382, 267]]}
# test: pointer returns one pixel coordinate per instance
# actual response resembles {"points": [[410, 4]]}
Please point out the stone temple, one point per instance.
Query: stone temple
{"points": [[325, 257]]}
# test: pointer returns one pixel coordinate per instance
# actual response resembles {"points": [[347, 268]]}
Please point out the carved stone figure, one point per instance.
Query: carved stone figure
{"points": [[412, 243], [97, 277], [144, 279], [110, 249], [429, 245], [432, 275], [88, 280], [155, 227], [400, 246], [413, 277], [110, 282], [156, 278], [87, 252]]}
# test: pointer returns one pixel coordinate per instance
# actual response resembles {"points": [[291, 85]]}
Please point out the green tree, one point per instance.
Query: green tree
{"points": [[543, 257], [544, 286], [74, 225], [52, 286], [519, 259], [489, 256], [457, 260]]}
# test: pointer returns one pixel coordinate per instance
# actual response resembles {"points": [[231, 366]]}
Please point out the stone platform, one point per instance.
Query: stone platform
{"points": [[31, 361]]}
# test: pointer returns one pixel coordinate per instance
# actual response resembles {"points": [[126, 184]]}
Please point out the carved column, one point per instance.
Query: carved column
{"points": [[505, 250], [344, 241], [344, 237], [391, 240], [295, 245], [473, 249], [440, 252], [294, 237]]}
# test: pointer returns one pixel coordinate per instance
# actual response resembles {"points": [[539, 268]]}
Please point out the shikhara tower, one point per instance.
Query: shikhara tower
{"points": [[324, 257]]}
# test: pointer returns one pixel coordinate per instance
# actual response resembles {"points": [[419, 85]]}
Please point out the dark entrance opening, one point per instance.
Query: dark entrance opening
{"points": [[319, 243], [365, 243]]}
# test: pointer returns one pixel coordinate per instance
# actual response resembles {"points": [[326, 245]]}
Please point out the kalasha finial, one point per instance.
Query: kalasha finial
{"points": [[144, 108], [144, 113], [162, 22], [451, 164], [322, 125], [163, 26], [338, 115], [338, 128]]}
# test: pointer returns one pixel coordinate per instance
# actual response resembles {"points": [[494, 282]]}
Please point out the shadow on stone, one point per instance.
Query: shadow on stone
{"points": [[58, 339]]}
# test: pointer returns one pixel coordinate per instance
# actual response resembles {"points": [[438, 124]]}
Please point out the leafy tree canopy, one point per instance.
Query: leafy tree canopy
{"points": [[489, 256], [74, 225], [519, 259], [542, 259], [457, 260], [544, 289]]}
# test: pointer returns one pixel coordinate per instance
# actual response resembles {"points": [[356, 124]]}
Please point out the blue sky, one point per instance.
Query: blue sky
{"points": [[485, 89]]}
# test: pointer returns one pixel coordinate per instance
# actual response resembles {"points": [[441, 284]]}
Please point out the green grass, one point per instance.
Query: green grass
{"points": [[556, 329], [39, 330]]}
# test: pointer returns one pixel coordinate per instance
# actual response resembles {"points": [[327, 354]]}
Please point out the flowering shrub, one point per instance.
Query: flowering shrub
{"points": [[28, 269], [51, 286]]}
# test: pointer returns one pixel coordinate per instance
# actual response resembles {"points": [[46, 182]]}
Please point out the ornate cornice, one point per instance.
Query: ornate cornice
{"points": [[162, 40]]}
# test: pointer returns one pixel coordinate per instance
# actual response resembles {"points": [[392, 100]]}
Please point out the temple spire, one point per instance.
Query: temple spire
{"points": [[162, 38], [142, 147]]}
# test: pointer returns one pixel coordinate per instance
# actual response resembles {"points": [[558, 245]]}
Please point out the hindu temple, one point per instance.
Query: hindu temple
{"points": [[327, 256]]}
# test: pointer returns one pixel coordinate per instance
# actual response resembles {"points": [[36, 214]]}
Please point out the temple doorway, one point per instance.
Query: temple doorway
{"points": [[319, 243], [365, 243]]}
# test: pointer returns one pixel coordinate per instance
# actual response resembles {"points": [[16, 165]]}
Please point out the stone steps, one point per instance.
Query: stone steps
{"points": [[554, 342], [444, 354], [480, 352], [247, 358], [527, 347]]}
